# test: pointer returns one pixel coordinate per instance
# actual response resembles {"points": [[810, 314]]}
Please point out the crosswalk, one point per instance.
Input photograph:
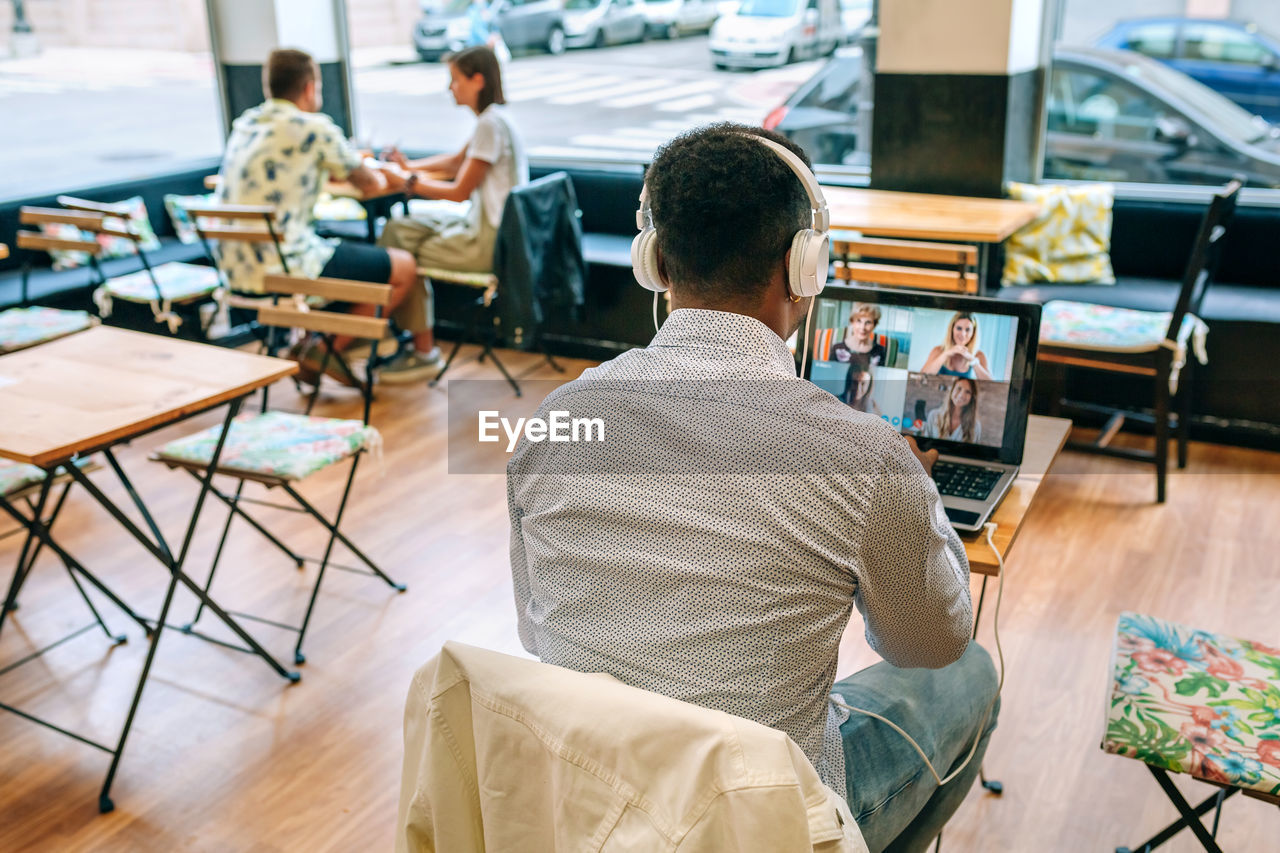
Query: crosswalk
{"points": [[680, 102], [572, 86]]}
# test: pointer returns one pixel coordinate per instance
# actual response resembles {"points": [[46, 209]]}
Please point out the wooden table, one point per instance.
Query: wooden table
{"points": [[4, 251], [1045, 439], [924, 216], [85, 394], [984, 222]]}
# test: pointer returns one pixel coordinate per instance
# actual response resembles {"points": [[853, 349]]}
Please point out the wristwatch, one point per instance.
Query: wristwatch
{"points": [[410, 186]]}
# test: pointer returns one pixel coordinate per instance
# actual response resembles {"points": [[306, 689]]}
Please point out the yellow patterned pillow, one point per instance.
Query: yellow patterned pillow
{"points": [[1068, 243]]}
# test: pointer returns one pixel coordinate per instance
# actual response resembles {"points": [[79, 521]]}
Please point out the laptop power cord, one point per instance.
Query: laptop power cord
{"points": [[990, 528]]}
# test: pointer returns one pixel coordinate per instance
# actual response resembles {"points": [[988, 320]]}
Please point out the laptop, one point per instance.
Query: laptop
{"points": [[954, 372]]}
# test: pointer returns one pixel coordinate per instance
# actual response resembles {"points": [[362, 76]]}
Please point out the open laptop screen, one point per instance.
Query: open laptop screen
{"points": [[949, 368]]}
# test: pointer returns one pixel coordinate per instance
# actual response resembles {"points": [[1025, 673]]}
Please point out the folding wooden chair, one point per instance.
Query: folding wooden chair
{"points": [[1080, 334], [279, 449], [27, 325], [948, 267], [174, 291], [1189, 701]]}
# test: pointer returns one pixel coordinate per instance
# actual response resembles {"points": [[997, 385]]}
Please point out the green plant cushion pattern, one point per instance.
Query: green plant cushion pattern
{"points": [[1195, 702], [135, 210], [183, 224], [1083, 325], [277, 444], [19, 475], [24, 327], [178, 282]]}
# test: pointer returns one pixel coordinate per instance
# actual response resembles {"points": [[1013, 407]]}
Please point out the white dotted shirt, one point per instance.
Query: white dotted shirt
{"points": [[710, 548]]}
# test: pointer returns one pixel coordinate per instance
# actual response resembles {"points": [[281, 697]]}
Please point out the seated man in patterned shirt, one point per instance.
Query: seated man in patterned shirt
{"points": [[713, 545], [282, 153]]}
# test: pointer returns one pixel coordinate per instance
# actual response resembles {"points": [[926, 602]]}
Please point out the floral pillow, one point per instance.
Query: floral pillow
{"points": [[1069, 242], [135, 218], [183, 225]]}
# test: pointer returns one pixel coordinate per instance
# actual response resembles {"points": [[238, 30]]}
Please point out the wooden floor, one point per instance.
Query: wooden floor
{"points": [[225, 756]]}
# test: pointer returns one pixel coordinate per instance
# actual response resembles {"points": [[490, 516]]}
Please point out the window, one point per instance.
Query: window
{"points": [[1158, 40], [91, 108], [1169, 100], [1101, 107], [1215, 43]]}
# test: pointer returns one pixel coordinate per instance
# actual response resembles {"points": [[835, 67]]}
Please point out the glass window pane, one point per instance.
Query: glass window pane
{"points": [[1156, 40], [1214, 43]]}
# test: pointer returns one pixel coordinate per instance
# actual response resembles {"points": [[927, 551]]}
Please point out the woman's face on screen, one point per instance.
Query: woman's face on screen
{"points": [[962, 332], [961, 394], [863, 325], [864, 384]]}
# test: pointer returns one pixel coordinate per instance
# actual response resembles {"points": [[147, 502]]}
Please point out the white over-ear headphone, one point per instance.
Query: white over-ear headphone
{"points": [[807, 270]]}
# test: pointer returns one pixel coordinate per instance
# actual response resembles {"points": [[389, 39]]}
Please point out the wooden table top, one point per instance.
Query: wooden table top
{"points": [[925, 216], [1045, 440], [92, 389], [4, 251]]}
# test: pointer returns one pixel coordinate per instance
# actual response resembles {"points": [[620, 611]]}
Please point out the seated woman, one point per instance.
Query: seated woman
{"points": [[957, 419], [858, 384], [460, 236], [958, 354], [860, 337]]}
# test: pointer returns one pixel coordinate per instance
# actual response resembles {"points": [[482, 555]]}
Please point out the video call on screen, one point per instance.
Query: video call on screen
{"points": [[930, 373]]}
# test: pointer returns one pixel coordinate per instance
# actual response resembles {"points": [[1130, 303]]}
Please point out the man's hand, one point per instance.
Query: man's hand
{"points": [[926, 459]]}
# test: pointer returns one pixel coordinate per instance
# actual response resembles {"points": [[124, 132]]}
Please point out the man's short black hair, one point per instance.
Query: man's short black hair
{"points": [[725, 209], [287, 73]]}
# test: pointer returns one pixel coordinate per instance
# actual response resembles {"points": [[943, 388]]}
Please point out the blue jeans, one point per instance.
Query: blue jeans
{"points": [[893, 796]]}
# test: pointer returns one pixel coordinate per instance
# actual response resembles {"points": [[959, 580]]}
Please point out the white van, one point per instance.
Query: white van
{"points": [[764, 33]]}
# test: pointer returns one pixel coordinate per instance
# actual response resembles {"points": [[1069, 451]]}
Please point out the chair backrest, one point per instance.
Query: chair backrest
{"points": [[296, 314], [250, 223], [1205, 256], [929, 266], [37, 241], [110, 213]]}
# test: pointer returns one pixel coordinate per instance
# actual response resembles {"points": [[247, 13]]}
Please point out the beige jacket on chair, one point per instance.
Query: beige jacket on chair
{"points": [[507, 754]]}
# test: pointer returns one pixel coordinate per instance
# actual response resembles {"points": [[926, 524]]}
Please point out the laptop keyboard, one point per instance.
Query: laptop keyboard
{"points": [[971, 482]]}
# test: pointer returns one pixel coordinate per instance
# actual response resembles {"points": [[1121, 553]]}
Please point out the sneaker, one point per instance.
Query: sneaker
{"points": [[411, 367], [386, 347], [309, 361]]}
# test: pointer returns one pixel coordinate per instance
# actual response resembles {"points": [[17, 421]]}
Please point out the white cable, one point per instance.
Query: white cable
{"points": [[655, 310], [990, 528]]}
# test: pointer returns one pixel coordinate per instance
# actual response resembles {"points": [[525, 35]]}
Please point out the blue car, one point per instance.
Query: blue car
{"points": [[1234, 58]]}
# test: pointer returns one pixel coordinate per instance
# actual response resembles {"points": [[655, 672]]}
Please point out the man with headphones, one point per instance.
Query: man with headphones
{"points": [[713, 545]]}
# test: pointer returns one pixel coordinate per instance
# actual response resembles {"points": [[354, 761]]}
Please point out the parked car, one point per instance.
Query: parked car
{"points": [[854, 15], [671, 18], [524, 24], [595, 23], [1231, 57], [763, 33], [1113, 115]]}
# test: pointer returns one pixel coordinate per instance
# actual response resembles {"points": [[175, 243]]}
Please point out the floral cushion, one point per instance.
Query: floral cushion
{"points": [[1065, 323], [112, 247], [178, 282], [24, 327], [277, 444], [19, 475], [183, 225], [1195, 702], [1068, 242]]}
